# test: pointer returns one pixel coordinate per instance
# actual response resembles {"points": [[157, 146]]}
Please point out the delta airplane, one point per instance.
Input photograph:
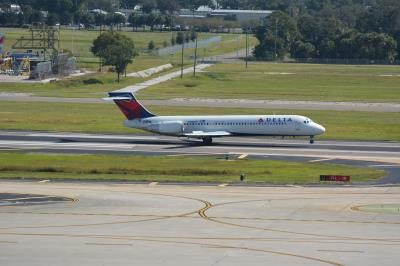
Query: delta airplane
{"points": [[207, 127]]}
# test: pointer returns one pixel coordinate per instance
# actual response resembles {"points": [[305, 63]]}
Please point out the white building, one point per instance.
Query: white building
{"points": [[240, 15]]}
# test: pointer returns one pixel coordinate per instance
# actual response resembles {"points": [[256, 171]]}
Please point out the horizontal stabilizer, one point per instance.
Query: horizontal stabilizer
{"points": [[116, 98], [200, 134]]}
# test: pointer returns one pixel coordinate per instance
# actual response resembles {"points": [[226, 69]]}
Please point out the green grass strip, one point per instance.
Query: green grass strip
{"points": [[271, 81], [181, 169]]}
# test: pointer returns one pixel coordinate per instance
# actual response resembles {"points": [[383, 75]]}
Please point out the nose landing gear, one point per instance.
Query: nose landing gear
{"points": [[311, 139]]}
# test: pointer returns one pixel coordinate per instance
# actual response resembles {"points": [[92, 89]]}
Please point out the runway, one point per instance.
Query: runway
{"points": [[381, 155], [126, 224], [386, 152]]}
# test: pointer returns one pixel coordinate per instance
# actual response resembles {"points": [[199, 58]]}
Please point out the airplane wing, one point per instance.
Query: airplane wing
{"points": [[200, 134]]}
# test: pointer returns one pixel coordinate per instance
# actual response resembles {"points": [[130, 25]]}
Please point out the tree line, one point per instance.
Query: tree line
{"points": [[357, 31], [74, 11]]}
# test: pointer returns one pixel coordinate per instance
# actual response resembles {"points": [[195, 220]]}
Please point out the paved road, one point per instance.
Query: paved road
{"points": [[231, 103], [140, 86], [127, 224]]}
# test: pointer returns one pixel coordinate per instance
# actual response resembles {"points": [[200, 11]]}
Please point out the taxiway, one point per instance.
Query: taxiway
{"points": [[131, 224]]}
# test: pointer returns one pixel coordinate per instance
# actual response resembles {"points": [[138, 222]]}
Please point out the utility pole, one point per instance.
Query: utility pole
{"points": [[276, 34], [58, 35], [237, 45], [72, 39], [183, 46], [172, 36], [100, 60], [195, 59], [247, 45]]}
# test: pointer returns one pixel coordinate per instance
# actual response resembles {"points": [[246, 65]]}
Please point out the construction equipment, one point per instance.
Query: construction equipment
{"points": [[6, 65], [22, 66]]}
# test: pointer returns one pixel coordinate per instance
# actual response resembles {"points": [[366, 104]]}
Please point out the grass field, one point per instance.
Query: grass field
{"points": [[104, 82], [182, 169], [286, 82], [80, 41], [107, 118]]}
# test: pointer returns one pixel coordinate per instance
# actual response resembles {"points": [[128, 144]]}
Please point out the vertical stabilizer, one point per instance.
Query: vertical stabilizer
{"points": [[129, 106]]}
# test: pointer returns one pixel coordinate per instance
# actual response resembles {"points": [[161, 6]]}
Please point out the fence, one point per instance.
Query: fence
{"points": [[346, 61]]}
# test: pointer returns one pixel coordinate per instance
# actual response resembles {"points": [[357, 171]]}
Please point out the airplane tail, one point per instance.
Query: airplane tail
{"points": [[128, 105]]}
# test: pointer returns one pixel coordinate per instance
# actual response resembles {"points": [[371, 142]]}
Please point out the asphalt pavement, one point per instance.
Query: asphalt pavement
{"points": [[150, 224], [380, 155]]}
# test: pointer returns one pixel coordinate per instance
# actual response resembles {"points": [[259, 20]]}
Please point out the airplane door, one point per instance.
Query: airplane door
{"points": [[297, 125]]}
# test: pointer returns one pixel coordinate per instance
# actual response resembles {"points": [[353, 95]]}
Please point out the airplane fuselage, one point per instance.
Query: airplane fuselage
{"points": [[256, 125]]}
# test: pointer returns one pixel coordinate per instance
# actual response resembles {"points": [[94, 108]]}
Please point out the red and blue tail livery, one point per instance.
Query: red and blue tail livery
{"points": [[129, 106]]}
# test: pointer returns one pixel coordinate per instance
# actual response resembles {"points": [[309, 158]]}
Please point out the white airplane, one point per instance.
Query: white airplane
{"points": [[206, 127]]}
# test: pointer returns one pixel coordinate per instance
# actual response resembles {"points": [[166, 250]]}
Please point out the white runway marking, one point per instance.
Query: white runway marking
{"points": [[321, 160], [384, 165]]}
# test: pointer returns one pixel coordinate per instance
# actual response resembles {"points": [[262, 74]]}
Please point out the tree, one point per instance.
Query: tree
{"points": [[115, 49], [151, 46], [193, 35], [180, 38], [134, 20], [173, 40], [376, 46], [303, 50], [152, 20], [148, 5], [280, 32], [167, 6], [142, 21], [100, 19], [118, 20]]}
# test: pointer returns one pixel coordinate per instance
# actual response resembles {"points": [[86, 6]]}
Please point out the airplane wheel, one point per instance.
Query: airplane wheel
{"points": [[311, 140], [207, 140]]}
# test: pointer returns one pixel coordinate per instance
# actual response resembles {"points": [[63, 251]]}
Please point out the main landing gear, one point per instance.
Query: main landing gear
{"points": [[311, 139], [207, 140]]}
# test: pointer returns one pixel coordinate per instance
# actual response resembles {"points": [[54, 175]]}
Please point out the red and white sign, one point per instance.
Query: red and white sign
{"points": [[337, 178]]}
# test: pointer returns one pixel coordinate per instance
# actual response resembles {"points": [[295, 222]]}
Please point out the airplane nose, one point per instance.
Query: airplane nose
{"points": [[320, 129]]}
